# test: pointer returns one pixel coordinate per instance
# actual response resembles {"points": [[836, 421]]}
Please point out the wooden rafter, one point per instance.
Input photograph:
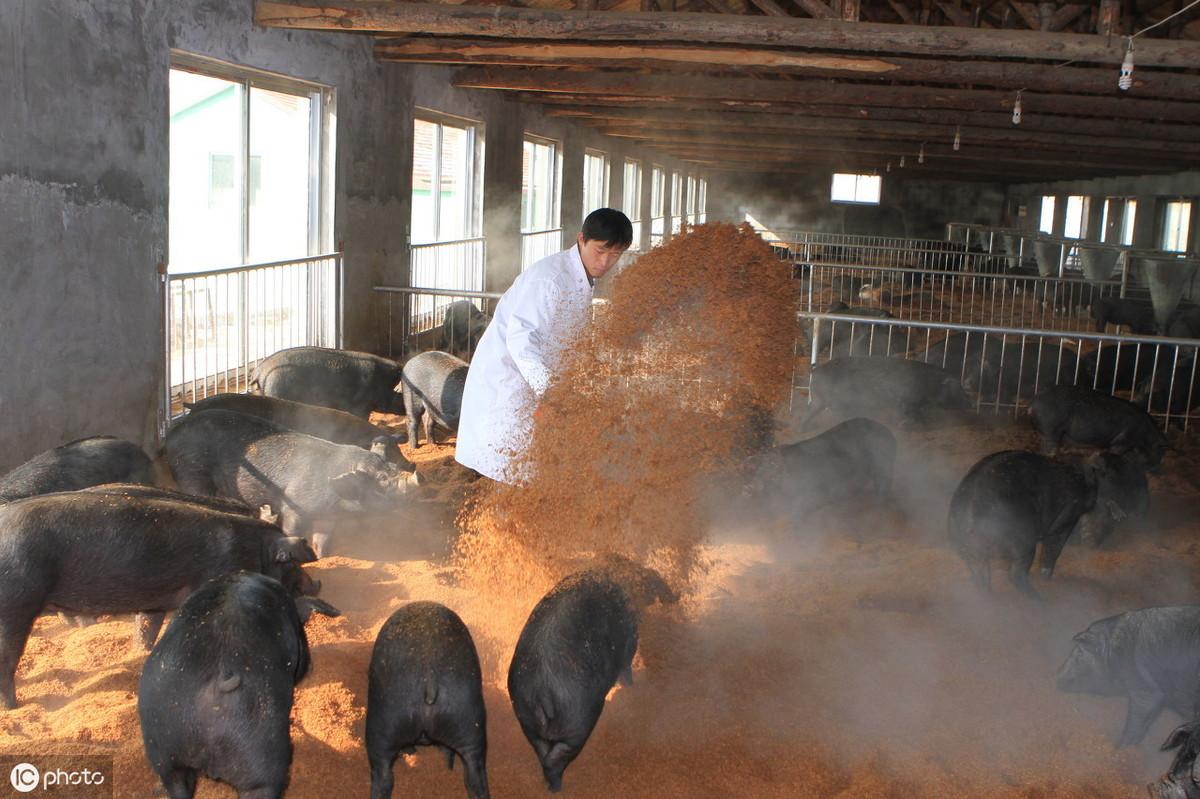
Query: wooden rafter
{"points": [[808, 91], [1014, 75], [508, 22]]}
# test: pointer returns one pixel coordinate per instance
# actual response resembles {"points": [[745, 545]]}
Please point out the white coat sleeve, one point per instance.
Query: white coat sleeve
{"points": [[530, 331]]}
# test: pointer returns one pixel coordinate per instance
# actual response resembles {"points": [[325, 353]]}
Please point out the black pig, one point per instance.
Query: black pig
{"points": [[577, 643], [1138, 315], [1182, 780], [355, 382], [308, 481], [327, 423], [432, 385], [82, 463], [1151, 656], [91, 553], [875, 387], [1011, 500], [425, 689], [1081, 416], [847, 461], [462, 326], [215, 695]]}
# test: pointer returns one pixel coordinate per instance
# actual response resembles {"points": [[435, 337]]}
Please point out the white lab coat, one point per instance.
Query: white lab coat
{"points": [[534, 321]]}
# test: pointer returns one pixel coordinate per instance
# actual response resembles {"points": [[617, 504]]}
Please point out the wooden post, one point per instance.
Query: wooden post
{"points": [[1109, 20], [850, 10]]}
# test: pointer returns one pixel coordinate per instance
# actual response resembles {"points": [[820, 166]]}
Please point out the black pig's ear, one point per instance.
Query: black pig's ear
{"points": [[306, 606], [350, 485], [1180, 735]]}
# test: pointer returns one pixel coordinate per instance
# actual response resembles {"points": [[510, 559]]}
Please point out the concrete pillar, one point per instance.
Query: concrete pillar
{"points": [[1060, 215], [504, 136], [1194, 229], [616, 180], [1112, 225], [1145, 224], [571, 213], [1095, 215]]}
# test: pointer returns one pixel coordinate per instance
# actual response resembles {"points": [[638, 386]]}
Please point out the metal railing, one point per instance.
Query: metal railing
{"points": [[450, 265], [218, 324], [1003, 368], [988, 298], [403, 304], [536, 245], [810, 244]]}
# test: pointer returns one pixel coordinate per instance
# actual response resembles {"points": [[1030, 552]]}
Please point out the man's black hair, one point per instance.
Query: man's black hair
{"points": [[609, 226]]}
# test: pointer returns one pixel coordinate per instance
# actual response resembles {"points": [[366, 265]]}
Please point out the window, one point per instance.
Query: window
{"points": [[1077, 213], [1177, 218], [595, 181], [248, 167], [848, 188], [1116, 220], [444, 206], [690, 200], [658, 202], [540, 233], [1046, 225], [1127, 220], [676, 202], [631, 199], [702, 200]]}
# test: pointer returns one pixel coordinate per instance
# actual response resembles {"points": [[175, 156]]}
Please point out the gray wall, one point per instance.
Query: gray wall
{"points": [[908, 206], [1151, 192], [83, 193]]}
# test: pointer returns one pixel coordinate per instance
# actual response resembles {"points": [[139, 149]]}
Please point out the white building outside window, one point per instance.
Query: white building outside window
{"points": [[1177, 218], [631, 198]]}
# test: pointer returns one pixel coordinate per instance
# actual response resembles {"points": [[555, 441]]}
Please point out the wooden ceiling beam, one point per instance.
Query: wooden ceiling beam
{"points": [[827, 34], [812, 90], [910, 131], [1165, 132], [979, 152], [1034, 77]]}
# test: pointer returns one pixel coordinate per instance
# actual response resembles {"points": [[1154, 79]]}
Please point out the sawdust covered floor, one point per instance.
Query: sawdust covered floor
{"points": [[849, 657]]}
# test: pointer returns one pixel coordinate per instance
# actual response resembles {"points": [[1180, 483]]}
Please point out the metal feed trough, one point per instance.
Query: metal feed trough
{"points": [[1003, 368]]}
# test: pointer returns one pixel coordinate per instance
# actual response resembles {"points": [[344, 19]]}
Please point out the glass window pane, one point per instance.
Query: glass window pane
{"points": [[424, 225], [207, 169], [1176, 224], [1076, 219], [280, 151], [1047, 221], [632, 190], [1127, 222], [454, 212], [843, 189]]}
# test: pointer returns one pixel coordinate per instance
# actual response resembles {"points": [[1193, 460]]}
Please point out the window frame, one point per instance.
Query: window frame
{"points": [[322, 141], [556, 176], [605, 175], [473, 227], [858, 180], [1184, 227]]}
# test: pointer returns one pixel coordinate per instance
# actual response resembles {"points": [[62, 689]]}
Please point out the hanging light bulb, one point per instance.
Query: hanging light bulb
{"points": [[957, 137], [1125, 82], [1017, 110], [921, 154], [902, 162]]}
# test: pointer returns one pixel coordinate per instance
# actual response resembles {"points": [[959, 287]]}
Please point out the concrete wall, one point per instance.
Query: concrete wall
{"points": [[83, 193], [1150, 191], [908, 206]]}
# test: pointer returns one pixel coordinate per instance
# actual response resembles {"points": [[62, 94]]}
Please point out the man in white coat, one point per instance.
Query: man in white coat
{"points": [[539, 314]]}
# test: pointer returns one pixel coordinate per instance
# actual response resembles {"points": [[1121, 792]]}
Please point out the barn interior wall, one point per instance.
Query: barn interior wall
{"points": [[1150, 191], [801, 201], [84, 191]]}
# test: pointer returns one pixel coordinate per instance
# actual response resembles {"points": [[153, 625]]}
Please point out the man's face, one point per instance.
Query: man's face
{"points": [[597, 256]]}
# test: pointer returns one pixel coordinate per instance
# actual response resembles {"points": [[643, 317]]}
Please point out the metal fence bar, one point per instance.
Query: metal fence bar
{"points": [[220, 322], [1002, 368], [537, 244]]}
